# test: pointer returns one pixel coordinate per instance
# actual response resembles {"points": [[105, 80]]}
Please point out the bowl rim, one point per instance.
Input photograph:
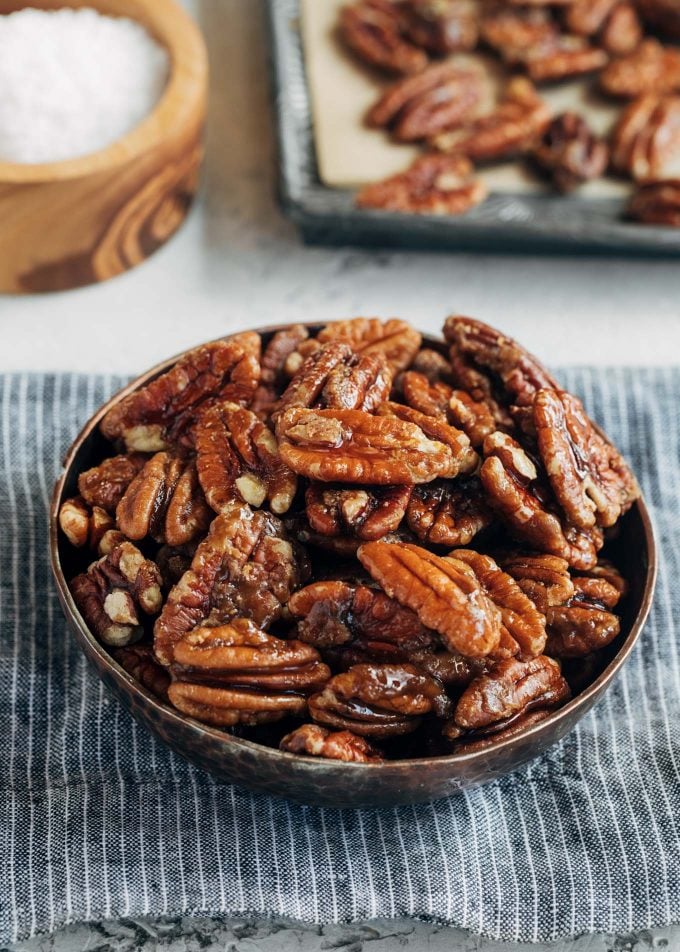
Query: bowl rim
{"points": [[582, 700], [182, 100]]}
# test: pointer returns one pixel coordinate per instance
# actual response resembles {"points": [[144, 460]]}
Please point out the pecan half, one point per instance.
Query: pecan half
{"points": [[575, 630], [589, 478], [164, 501], [375, 700], [428, 397], [363, 512], [82, 525], [373, 29], [419, 106], [657, 203], [646, 139], [511, 31], [152, 418], [441, 26], [511, 687], [273, 377], [349, 446], [395, 340], [510, 129], [433, 365], [316, 741], [470, 743], [615, 23], [474, 418], [449, 513], [563, 57], [570, 153], [237, 458], [544, 578], [335, 377], [443, 592], [104, 485], [225, 707], [515, 491], [651, 68], [113, 591], [139, 662], [246, 566], [432, 185]]}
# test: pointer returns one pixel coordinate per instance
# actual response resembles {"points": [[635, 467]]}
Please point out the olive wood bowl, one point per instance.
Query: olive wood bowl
{"points": [[327, 782], [82, 220]]}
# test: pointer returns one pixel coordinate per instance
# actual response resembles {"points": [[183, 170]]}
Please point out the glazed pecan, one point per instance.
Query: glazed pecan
{"points": [[651, 68], [578, 629], [420, 106], [511, 31], [511, 687], [335, 377], [443, 592], [393, 339], [365, 513], [563, 57], [429, 397], [471, 742], [139, 662], [464, 457], [164, 501], [614, 22], [114, 589], [520, 617], [227, 706], [431, 364], [82, 525], [237, 458], [104, 485], [657, 203], [316, 741], [374, 30], [336, 614], [273, 377], [349, 446], [516, 375], [521, 499], [589, 478], [153, 417], [432, 185], [474, 418], [239, 654], [646, 139], [663, 15], [510, 129], [448, 512], [246, 566], [570, 153], [379, 700], [441, 26], [544, 578]]}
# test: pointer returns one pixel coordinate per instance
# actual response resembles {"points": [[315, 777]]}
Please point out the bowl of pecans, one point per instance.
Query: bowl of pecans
{"points": [[349, 564]]}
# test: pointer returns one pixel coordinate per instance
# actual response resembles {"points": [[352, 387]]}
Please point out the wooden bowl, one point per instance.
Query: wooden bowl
{"points": [[75, 222], [326, 782]]}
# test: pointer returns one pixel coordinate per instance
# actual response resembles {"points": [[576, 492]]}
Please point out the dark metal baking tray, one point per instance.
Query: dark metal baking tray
{"points": [[514, 223]]}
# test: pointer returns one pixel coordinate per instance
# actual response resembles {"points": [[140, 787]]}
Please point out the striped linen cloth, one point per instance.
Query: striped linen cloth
{"points": [[99, 820]]}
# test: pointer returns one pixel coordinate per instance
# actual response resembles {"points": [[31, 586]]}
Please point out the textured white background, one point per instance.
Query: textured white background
{"points": [[237, 263]]}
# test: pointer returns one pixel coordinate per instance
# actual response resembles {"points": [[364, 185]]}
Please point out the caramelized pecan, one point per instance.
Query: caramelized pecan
{"points": [[349, 446], [475, 418], [570, 153], [273, 377], [165, 502], [470, 743], [510, 129], [544, 578], [429, 397], [448, 512], [511, 687], [575, 630], [563, 57], [82, 525], [433, 365], [465, 459], [589, 478], [614, 22], [511, 31], [237, 458], [443, 592], [657, 203], [441, 26], [104, 485], [393, 339], [432, 185], [651, 68], [419, 106], [365, 513], [246, 566], [646, 139], [227, 706], [114, 589], [373, 29], [316, 741], [153, 417], [379, 700]]}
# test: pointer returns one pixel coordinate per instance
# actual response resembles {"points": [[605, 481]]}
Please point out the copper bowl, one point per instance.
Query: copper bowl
{"points": [[326, 782]]}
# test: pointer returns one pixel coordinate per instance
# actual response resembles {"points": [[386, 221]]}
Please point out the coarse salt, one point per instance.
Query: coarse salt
{"points": [[73, 81]]}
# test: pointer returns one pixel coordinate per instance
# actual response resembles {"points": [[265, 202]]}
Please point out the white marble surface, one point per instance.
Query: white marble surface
{"points": [[237, 263]]}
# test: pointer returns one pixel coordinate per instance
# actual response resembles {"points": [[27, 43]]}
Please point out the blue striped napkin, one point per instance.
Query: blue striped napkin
{"points": [[99, 820]]}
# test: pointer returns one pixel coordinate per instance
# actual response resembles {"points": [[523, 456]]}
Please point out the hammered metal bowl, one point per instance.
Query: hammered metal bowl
{"points": [[326, 782]]}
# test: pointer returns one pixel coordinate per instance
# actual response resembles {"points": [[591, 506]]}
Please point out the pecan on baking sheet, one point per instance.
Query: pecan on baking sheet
{"points": [[614, 23], [651, 68], [316, 741], [374, 31], [439, 98], [441, 26], [646, 139], [432, 185], [657, 203], [570, 153]]}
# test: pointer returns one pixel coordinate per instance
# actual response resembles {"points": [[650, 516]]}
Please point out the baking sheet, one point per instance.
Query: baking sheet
{"points": [[342, 90]]}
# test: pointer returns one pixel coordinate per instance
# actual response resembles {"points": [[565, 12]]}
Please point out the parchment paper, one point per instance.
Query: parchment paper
{"points": [[342, 90]]}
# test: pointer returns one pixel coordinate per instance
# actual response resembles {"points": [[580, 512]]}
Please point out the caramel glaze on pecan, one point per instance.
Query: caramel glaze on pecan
{"points": [[374, 31], [651, 68], [441, 26], [315, 741], [569, 152], [448, 512], [646, 138], [364, 513], [393, 339]]}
